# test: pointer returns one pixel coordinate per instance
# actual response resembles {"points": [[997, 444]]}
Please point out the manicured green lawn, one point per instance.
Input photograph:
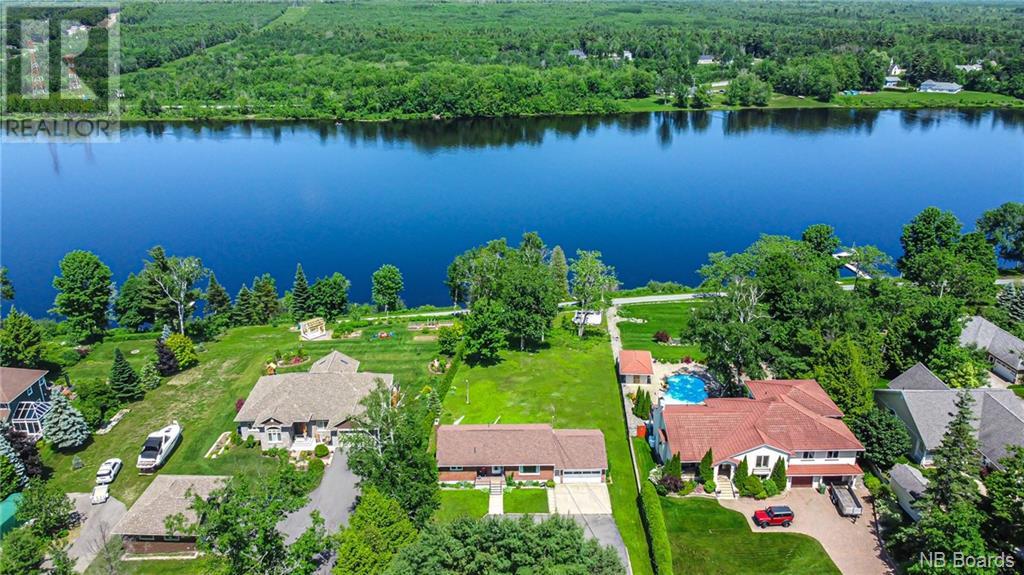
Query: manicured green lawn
{"points": [[526, 501], [457, 503], [570, 384], [671, 317], [644, 457], [1019, 390], [203, 399], [708, 539], [170, 567]]}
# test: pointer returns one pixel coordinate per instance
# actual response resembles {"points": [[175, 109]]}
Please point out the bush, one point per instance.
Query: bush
{"points": [[751, 486], [76, 463], [235, 439], [550, 483], [873, 484], [688, 487], [183, 349], [771, 489], [662, 336], [709, 486], [657, 534], [660, 489], [250, 441], [671, 484], [316, 467], [320, 450]]}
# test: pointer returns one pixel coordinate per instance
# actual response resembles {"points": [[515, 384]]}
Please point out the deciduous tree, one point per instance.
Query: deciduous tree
{"points": [[883, 435], [329, 296], [484, 332], [387, 285], [176, 277], [1004, 228], [377, 530], [591, 279], [83, 294]]}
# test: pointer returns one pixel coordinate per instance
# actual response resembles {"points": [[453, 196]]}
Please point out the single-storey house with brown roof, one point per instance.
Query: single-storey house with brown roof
{"points": [[24, 399], [143, 529], [532, 452], [296, 411], [635, 366], [792, 420]]}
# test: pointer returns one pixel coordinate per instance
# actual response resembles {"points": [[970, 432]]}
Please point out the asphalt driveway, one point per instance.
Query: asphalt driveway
{"points": [[854, 547], [334, 499], [98, 520]]}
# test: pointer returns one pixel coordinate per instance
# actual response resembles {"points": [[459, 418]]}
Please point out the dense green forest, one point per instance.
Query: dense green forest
{"points": [[388, 59]]}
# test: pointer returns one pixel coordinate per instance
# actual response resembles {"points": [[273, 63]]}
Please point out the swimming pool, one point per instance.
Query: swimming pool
{"points": [[684, 388]]}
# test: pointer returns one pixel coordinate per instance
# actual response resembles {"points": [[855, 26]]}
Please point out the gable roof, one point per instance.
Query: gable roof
{"points": [[1004, 346], [909, 478], [636, 362], [15, 380], [334, 362], [998, 413], [290, 397], [165, 497], [787, 415], [512, 445], [917, 377]]}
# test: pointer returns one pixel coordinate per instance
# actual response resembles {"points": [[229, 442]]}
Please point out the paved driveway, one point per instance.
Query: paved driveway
{"points": [[334, 499], [582, 499], [854, 547], [98, 520]]}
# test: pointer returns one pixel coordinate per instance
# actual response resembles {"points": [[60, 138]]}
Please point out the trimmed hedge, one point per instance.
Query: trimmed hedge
{"points": [[657, 534]]}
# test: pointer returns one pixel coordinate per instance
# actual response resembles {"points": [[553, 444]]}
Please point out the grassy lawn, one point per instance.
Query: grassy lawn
{"points": [[883, 99], [203, 399], [708, 539], [671, 317], [526, 501], [571, 384], [457, 503], [169, 567], [1019, 390], [644, 457]]}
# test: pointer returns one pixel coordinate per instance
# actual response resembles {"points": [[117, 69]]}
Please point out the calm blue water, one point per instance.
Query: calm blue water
{"points": [[654, 192], [684, 388]]}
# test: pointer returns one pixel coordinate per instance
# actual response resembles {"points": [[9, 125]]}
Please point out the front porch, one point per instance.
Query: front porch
{"points": [[306, 436]]}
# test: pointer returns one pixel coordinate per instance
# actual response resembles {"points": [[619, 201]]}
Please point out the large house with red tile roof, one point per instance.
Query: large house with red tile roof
{"points": [[635, 367], [533, 452], [794, 420]]}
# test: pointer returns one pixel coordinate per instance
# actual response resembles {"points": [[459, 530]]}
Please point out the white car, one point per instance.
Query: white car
{"points": [[100, 494], [108, 471]]}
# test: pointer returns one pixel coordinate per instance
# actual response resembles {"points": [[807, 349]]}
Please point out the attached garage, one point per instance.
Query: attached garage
{"points": [[835, 480], [582, 476], [807, 481]]}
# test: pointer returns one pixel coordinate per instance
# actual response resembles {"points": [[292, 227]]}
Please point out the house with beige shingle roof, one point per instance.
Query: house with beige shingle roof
{"points": [[532, 452], [297, 411], [792, 420], [143, 528]]}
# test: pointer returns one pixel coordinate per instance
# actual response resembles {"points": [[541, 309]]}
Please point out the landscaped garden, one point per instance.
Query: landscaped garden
{"points": [[526, 501], [708, 539], [203, 400], [456, 503], [660, 321], [569, 384]]}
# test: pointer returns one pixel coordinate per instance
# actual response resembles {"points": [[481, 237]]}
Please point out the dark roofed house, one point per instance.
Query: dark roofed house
{"points": [[531, 452], [24, 399], [297, 411], [917, 377], [143, 528], [1005, 350]]}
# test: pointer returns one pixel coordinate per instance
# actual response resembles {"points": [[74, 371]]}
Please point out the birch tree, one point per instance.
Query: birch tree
{"points": [[176, 278]]}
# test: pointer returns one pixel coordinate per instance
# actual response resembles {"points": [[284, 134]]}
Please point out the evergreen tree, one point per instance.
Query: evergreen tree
{"points": [[22, 553], [741, 472], [560, 271], [674, 467], [63, 426], [844, 375], [778, 476], [1011, 301], [123, 380], [244, 312], [218, 302], [6, 287], [883, 435], [378, 529], [7, 452], [166, 362], [1007, 496], [707, 466], [135, 304], [149, 378], [265, 305], [9, 480], [21, 341], [302, 307], [956, 460]]}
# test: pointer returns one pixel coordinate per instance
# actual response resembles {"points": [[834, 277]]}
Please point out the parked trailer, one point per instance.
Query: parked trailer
{"points": [[845, 500]]}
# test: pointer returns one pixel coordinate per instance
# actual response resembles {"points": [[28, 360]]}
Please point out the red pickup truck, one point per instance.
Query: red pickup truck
{"points": [[774, 515]]}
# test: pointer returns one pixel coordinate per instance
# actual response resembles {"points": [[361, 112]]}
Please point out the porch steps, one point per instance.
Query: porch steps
{"points": [[496, 488], [725, 489]]}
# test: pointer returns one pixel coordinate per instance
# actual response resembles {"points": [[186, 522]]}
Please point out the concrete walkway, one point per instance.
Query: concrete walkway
{"points": [[333, 498], [496, 503], [98, 520]]}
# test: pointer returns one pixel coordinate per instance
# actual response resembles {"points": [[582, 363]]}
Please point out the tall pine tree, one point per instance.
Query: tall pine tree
{"points": [[124, 382], [63, 426], [218, 302], [244, 312], [560, 271], [302, 307]]}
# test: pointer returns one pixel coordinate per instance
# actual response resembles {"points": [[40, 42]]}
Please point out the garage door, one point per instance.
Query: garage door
{"points": [[833, 480], [581, 477], [803, 481]]}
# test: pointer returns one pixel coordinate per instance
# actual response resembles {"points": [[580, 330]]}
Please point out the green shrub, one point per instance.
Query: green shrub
{"points": [[688, 487], [550, 483], [236, 438], [873, 483], [751, 486], [706, 470], [709, 486], [661, 489], [771, 489], [183, 349], [250, 441], [320, 450], [657, 534]]}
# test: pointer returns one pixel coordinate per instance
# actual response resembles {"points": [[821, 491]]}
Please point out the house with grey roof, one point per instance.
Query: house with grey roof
{"points": [[1005, 350], [297, 411], [918, 377], [908, 485], [998, 418], [24, 399], [143, 528], [933, 86]]}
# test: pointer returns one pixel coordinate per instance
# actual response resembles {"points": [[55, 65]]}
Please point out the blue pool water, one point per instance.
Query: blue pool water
{"points": [[684, 388]]}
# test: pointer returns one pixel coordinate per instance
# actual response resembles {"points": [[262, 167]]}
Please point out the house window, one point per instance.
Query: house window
{"points": [[529, 469], [762, 461], [146, 538], [832, 455], [806, 455], [455, 468], [273, 435], [30, 392]]}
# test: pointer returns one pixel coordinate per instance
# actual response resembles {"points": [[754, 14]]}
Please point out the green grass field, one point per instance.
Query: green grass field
{"points": [[526, 501], [644, 457], [571, 384], [671, 317], [457, 503], [1019, 390], [203, 399], [708, 539]]}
